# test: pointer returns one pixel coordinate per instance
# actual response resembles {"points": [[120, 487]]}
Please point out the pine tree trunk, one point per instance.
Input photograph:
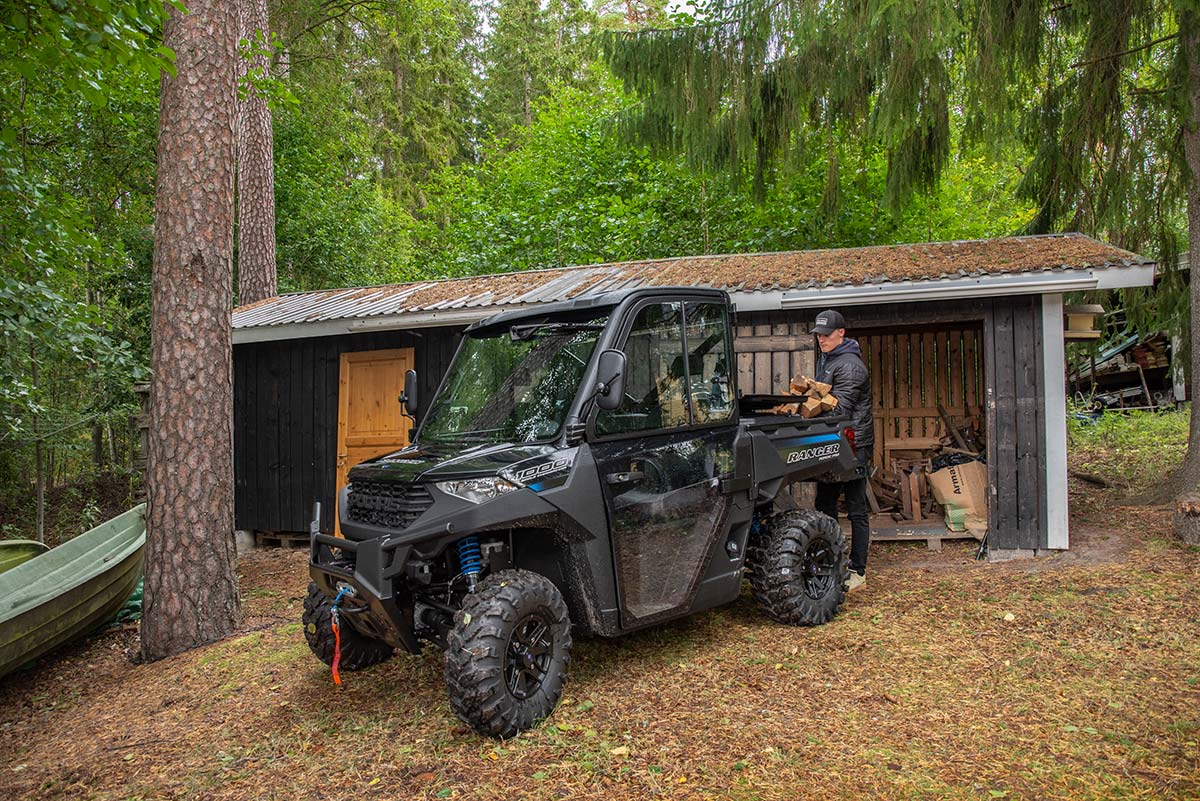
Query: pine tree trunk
{"points": [[256, 171], [39, 481], [1187, 519], [1188, 478], [527, 105], [191, 592]]}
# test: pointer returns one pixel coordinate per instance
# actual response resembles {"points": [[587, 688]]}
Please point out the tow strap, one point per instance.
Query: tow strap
{"points": [[343, 592]]}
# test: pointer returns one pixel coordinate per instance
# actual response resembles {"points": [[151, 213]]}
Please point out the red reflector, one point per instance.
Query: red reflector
{"points": [[850, 437]]}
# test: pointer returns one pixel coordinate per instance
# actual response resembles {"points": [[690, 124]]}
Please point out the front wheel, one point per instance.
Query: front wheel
{"points": [[799, 567], [358, 650], [508, 653]]}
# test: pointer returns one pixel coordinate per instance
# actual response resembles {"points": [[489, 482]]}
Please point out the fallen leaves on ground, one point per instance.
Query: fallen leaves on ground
{"points": [[1076, 677]]}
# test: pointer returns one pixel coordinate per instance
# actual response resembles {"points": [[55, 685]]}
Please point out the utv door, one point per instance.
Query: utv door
{"points": [[662, 455]]}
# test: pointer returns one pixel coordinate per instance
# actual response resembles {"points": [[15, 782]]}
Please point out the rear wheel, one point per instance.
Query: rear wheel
{"points": [[799, 567], [358, 650], [508, 653]]}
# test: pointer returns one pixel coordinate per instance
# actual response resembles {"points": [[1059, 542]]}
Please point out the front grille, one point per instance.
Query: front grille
{"points": [[386, 503]]}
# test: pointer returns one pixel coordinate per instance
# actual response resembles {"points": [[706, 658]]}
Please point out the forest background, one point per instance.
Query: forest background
{"points": [[413, 139]]}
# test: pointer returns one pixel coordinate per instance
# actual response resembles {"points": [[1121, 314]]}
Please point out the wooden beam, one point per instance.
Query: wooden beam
{"points": [[772, 343]]}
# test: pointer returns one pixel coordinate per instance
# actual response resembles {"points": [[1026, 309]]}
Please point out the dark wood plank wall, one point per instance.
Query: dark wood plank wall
{"points": [[285, 398], [771, 347], [1011, 394], [1016, 424], [913, 371]]}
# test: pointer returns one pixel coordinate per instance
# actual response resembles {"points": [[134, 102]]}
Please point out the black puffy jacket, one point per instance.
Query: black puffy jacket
{"points": [[844, 369]]}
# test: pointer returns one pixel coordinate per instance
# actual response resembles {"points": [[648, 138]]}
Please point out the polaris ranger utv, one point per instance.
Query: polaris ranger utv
{"points": [[584, 466]]}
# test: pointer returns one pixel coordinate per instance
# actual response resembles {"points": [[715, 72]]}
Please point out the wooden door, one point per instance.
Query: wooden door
{"points": [[370, 422]]}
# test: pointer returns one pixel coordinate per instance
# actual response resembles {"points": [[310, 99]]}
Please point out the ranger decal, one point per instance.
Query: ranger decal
{"points": [[819, 452]]}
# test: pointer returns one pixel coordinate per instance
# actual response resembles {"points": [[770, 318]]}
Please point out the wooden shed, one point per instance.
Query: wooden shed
{"points": [[974, 327]]}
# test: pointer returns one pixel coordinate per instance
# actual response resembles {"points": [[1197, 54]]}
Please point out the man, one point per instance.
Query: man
{"points": [[841, 366]]}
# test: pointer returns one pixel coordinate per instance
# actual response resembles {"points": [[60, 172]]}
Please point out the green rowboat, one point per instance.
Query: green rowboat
{"points": [[14, 552], [70, 590]]}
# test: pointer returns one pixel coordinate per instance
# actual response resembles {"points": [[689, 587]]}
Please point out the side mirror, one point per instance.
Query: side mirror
{"points": [[409, 396], [610, 380]]}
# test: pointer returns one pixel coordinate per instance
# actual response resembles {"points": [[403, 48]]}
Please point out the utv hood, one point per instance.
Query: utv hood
{"points": [[418, 463]]}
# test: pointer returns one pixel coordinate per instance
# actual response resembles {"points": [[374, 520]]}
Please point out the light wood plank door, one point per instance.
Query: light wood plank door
{"points": [[370, 419]]}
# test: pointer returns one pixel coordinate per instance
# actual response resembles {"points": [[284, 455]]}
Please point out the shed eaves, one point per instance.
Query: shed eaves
{"points": [[756, 272]]}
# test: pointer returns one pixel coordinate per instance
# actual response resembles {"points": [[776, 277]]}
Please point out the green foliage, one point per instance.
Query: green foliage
{"points": [[533, 46], [742, 84], [78, 99], [335, 225], [1135, 449], [81, 45], [398, 78], [569, 191], [39, 328]]}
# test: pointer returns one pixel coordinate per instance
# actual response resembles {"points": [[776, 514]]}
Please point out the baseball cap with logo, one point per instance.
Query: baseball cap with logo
{"points": [[827, 322]]}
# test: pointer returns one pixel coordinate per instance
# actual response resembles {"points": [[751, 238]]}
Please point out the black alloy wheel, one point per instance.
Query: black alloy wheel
{"points": [[818, 569], [527, 658]]}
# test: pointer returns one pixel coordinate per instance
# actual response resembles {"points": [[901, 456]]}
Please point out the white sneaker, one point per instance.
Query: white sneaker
{"points": [[855, 582]]}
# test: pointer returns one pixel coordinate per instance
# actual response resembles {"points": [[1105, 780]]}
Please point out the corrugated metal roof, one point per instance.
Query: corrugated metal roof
{"points": [[756, 272]]}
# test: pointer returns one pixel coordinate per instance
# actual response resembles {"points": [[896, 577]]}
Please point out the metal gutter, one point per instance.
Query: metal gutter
{"points": [[325, 328], [941, 289]]}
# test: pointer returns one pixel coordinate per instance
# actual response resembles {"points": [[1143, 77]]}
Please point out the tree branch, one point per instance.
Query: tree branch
{"points": [[339, 12], [1146, 46]]}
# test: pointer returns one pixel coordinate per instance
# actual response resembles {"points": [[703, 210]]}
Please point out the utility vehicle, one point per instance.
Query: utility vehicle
{"points": [[585, 466]]}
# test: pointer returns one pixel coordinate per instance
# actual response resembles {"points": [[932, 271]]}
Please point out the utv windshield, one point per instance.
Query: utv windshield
{"points": [[512, 387]]}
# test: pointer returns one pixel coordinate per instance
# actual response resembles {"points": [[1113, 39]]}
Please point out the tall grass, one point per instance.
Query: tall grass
{"points": [[1134, 449]]}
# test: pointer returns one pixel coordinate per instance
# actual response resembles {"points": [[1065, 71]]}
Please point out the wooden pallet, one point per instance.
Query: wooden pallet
{"points": [[931, 534], [280, 539]]}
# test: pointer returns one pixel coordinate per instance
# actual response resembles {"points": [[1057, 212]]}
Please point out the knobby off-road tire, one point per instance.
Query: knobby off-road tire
{"points": [[508, 653], [358, 650], [799, 567]]}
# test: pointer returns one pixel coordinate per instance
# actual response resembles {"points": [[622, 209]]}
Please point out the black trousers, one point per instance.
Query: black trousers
{"points": [[855, 492]]}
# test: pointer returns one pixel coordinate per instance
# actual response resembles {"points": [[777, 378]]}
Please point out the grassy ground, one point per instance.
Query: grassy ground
{"points": [[1132, 450], [1072, 677]]}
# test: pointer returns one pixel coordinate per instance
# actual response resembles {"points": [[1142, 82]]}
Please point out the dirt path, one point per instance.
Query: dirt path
{"points": [[1072, 677]]}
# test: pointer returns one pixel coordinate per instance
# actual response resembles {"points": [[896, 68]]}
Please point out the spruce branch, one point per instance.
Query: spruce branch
{"points": [[1123, 53]]}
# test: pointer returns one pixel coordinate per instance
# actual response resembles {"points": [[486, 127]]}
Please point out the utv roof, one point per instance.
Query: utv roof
{"points": [[596, 303]]}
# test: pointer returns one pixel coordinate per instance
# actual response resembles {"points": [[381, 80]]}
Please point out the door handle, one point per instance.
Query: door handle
{"points": [[627, 477]]}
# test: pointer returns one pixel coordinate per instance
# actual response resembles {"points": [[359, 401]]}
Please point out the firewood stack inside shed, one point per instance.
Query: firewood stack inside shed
{"points": [[900, 481]]}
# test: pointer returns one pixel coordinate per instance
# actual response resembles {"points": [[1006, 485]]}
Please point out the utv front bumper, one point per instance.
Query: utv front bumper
{"points": [[380, 607], [375, 561]]}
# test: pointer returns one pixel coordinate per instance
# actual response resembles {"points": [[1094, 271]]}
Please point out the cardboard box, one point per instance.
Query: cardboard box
{"points": [[962, 490]]}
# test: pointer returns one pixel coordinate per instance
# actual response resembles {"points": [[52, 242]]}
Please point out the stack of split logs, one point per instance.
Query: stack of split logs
{"points": [[900, 483], [815, 395]]}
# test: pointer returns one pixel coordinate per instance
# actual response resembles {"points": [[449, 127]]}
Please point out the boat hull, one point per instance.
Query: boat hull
{"points": [[71, 590]]}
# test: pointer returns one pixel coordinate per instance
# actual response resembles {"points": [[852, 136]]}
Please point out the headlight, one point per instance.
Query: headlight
{"points": [[477, 490]]}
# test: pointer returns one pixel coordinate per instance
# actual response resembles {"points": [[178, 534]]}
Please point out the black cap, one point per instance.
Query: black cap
{"points": [[827, 322]]}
